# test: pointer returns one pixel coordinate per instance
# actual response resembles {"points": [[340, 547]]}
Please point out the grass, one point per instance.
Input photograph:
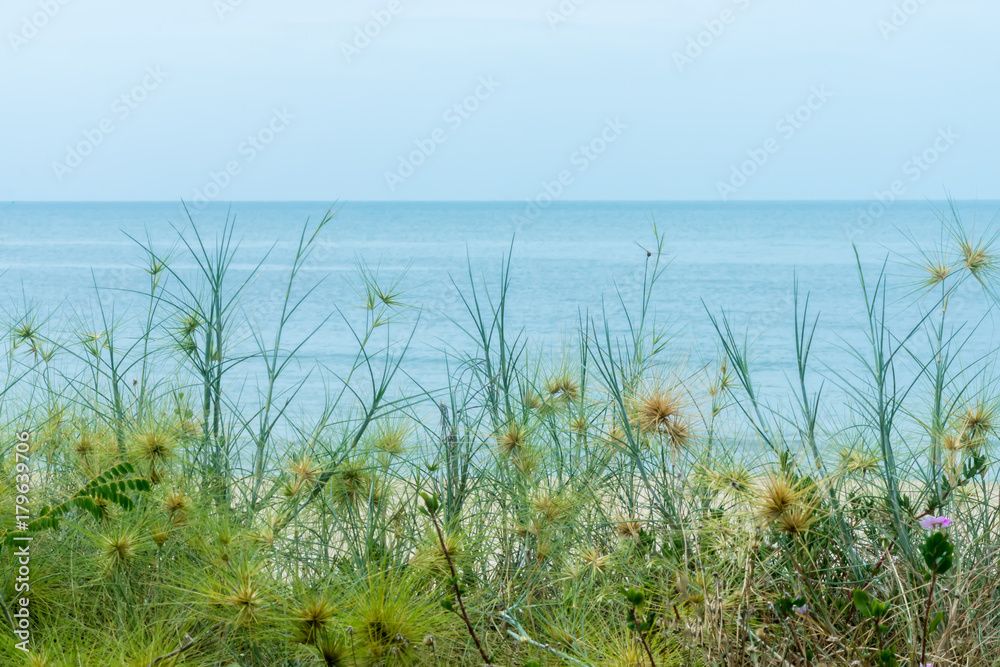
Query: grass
{"points": [[606, 506]]}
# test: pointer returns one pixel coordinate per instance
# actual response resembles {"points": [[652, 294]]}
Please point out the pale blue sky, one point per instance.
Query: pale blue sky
{"points": [[337, 121]]}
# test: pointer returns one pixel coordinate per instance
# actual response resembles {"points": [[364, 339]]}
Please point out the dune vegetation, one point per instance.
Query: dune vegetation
{"points": [[600, 506]]}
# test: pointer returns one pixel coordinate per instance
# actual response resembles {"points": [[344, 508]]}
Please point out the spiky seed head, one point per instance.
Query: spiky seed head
{"points": [[979, 421], [353, 484], [304, 469], [189, 324], [154, 445], [243, 593], [656, 411], [625, 653], [629, 529], [177, 504], [103, 506], [512, 439], [189, 428], [85, 444], [616, 438], [731, 477], [156, 266], [38, 659], [24, 332], [977, 257], [722, 382], [533, 401], [332, 649], [118, 548], [563, 387], [594, 561], [545, 546], [776, 494], [160, 535], [291, 488], [392, 436], [386, 627], [797, 520], [94, 343], [313, 617], [579, 424], [937, 271], [431, 557], [526, 461], [264, 536], [678, 432], [552, 509], [954, 441], [859, 461], [188, 345], [224, 534]]}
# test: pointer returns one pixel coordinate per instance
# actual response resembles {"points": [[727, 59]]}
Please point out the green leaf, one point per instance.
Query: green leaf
{"points": [[863, 602], [937, 552]]}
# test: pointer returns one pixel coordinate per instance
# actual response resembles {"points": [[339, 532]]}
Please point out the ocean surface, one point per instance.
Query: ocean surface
{"points": [[569, 262]]}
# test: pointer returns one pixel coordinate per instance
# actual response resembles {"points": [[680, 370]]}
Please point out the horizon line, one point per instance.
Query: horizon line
{"points": [[336, 202]]}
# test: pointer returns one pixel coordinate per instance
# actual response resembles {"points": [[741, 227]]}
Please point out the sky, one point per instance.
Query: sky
{"points": [[399, 100]]}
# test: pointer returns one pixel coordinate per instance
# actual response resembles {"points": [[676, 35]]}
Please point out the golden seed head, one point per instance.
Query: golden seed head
{"points": [[678, 432], [304, 470], [177, 503], [551, 509], [38, 659], [656, 411], [978, 421], [430, 557], [264, 536], [797, 520], [629, 529], [937, 271], [616, 438], [354, 484], [954, 442], [512, 438], [594, 561], [626, 654], [976, 257], [533, 401], [776, 495], [525, 461], [563, 387]]}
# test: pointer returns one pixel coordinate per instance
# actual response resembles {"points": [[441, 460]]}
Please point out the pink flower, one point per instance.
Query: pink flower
{"points": [[934, 522], [801, 611]]}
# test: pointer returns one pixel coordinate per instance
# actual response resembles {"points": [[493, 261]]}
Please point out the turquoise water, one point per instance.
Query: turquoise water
{"points": [[567, 261]]}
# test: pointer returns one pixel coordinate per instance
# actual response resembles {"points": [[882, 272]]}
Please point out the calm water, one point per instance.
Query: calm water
{"points": [[566, 262]]}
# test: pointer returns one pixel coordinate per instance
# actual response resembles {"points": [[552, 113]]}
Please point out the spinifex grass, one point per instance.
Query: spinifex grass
{"points": [[187, 525]]}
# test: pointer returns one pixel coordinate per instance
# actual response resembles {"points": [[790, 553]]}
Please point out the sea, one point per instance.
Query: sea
{"points": [[78, 269]]}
